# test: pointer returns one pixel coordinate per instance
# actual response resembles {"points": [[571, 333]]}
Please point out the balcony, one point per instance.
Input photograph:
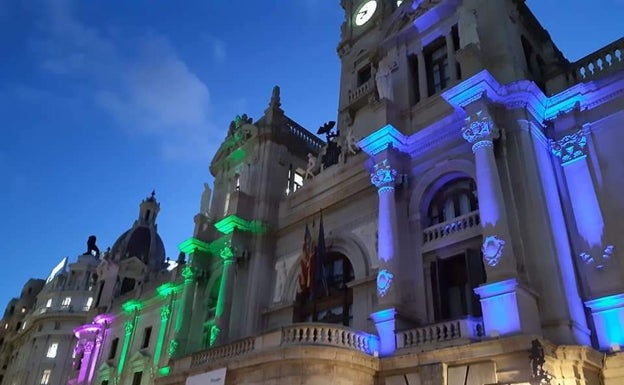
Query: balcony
{"points": [[600, 63], [358, 97], [297, 334], [442, 334], [452, 231]]}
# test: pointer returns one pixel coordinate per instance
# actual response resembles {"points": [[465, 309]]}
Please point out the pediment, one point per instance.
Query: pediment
{"points": [[139, 359], [105, 369]]}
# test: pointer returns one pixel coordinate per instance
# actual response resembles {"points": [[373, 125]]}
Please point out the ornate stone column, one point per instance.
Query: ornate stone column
{"points": [[594, 249], [219, 331], [177, 346], [571, 150], [502, 294], [384, 148], [384, 178], [497, 251]]}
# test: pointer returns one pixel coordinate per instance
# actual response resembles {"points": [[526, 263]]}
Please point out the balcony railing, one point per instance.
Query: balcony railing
{"points": [[361, 91], [455, 230], [304, 135], [432, 336], [297, 334], [330, 335], [606, 60]]}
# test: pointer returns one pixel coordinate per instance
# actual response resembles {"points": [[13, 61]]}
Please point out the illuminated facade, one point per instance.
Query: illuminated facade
{"points": [[459, 227], [469, 202]]}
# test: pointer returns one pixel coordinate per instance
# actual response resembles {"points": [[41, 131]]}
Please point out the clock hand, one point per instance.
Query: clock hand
{"points": [[364, 12]]}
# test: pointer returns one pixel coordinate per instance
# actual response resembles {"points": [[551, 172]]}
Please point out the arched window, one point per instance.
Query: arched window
{"points": [[332, 299], [456, 198]]}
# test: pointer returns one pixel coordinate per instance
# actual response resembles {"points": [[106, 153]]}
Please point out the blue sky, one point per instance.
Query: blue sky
{"points": [[102, 101]]}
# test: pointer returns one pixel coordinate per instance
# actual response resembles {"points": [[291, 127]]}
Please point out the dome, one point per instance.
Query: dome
{"points": [[142, 240]]}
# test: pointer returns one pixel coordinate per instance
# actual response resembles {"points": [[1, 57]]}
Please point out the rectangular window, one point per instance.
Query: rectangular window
{"points": [[436, 62], [104, 382], [146, 337], [45, 377], [364, 75], [66, 302], [89, 303], [136, 380], [52, 350], [49, 302], [113, 349], [57, 325]]}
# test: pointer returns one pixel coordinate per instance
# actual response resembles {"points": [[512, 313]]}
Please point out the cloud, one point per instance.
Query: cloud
{"points": [[138, 79], [217, 47]]}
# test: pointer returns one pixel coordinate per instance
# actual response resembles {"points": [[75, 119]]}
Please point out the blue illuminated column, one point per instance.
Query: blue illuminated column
{"points": [[497, 251], [384, 178], [384, 147], [571, 151], [508, 307]]}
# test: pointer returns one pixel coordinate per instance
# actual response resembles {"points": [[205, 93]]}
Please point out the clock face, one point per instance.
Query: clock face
{"points": [[365, 12]]}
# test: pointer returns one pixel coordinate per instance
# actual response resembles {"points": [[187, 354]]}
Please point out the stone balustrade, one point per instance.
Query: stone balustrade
{"points": [[442, 333], [455, 230], [236, 348], [332, 335], [361, 91], [605, 60], [304, 134], [297, 334]]}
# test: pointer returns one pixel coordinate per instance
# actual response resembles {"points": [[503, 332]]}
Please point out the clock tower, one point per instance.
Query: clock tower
{"points": [[364, 76]]}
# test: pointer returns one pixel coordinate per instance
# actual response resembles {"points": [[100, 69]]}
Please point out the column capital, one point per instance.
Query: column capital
{"points": [[187, 273], [479, 128], [570, 147], [383, 176]]}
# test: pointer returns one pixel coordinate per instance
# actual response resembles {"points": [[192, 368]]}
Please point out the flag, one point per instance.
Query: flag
{"points": [[320, 278], [306, 263]]}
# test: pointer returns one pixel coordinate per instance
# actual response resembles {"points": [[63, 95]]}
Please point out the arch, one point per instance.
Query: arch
{"points": [[345, 243], [435, 178]]}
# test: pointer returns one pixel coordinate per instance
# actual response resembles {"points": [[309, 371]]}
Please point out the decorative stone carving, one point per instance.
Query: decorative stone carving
{"points": [[479, 128], [598, 263], [128, 327], [88, 347], [214, 334], [204, 207], [570, 147], [467, 27], [226, 253], [384, 176], [351, 143], [165, 312], [187, 273], [311, 165], [383, 80], [384, 281], [173, 347], [492, 250]]}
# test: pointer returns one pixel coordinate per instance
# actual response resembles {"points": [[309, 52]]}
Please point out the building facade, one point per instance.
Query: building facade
{"points": [[458, 225]]}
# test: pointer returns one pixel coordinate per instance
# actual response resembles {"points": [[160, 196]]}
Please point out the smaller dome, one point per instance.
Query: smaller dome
{"points": [[142, 240]]}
